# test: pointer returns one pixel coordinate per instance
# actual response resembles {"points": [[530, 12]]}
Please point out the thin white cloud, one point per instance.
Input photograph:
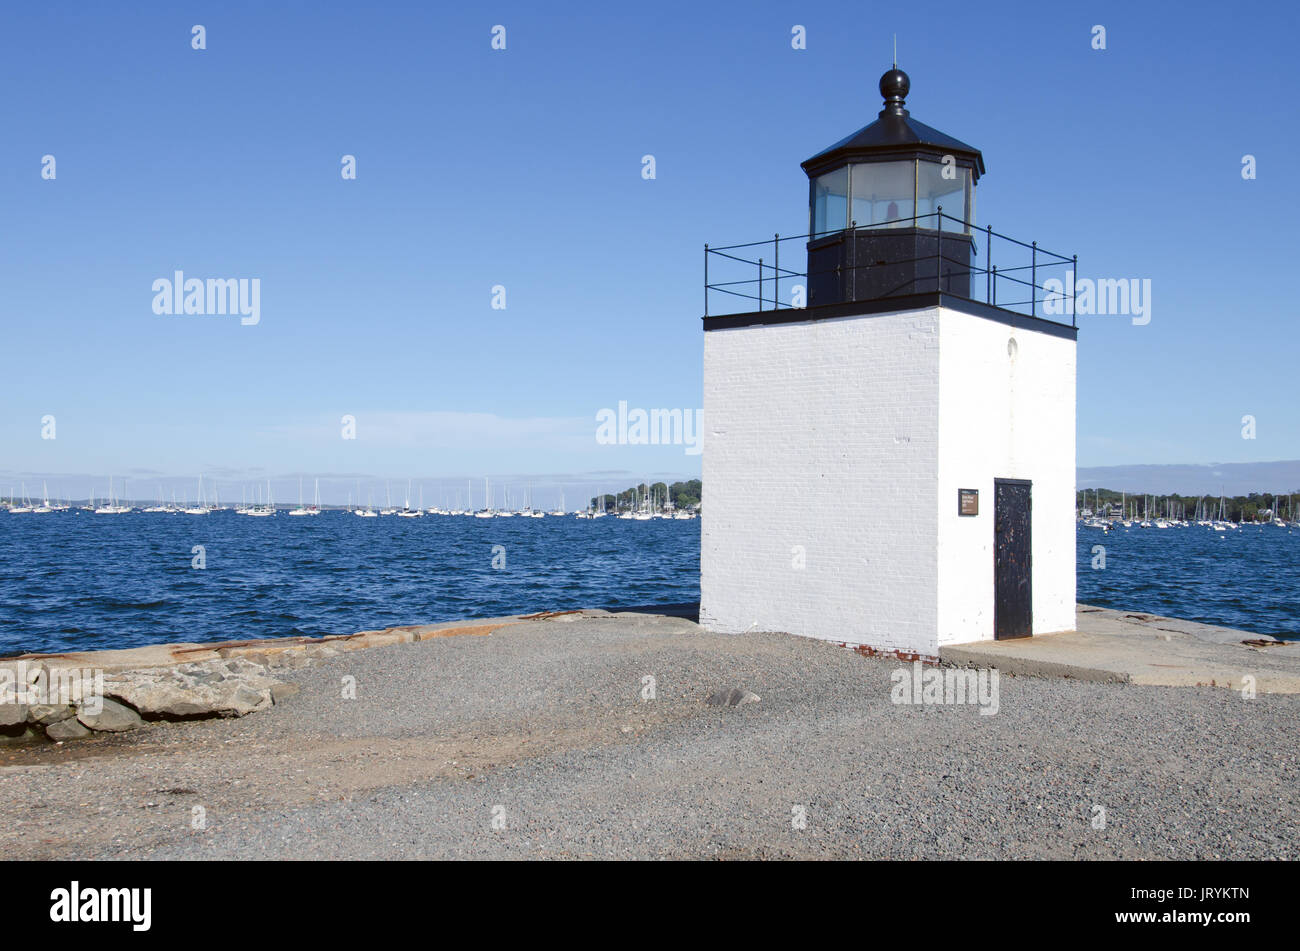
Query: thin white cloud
{"points": [[441, 429]]}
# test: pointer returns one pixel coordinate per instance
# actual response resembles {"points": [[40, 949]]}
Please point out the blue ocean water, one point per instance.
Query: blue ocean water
{"points": [[74, 580], [78, 581], [1247, 578]]}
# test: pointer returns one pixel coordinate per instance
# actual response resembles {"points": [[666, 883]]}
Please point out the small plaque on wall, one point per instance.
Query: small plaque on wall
{"points": [[968, 501]]}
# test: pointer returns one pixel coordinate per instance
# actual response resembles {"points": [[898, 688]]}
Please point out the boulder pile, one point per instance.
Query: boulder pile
{"points": [[117, 701]]}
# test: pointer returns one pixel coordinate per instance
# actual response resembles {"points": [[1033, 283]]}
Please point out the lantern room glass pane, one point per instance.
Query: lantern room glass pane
{"points": [[947, 185], [883, 192], [831, 201]]}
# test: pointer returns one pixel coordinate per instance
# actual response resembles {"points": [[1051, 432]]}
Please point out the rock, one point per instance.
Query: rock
{"points": [[69, 729], [239, 666], [250, 698], [732, 697], [230, 687], [113, 717], [215, 688], [47, 713]]}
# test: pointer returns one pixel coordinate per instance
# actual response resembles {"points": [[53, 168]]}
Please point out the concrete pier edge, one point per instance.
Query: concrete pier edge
{"points": [[1112, 646], [1108, 646]]}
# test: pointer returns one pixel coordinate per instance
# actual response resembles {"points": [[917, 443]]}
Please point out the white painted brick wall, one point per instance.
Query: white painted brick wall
{"points": [[823, 435], [1011, 419], [827, 435]]}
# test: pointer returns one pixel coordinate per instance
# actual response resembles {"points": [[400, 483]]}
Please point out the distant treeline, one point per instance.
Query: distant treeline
{"points": [[1256, 506], [683, 495]]}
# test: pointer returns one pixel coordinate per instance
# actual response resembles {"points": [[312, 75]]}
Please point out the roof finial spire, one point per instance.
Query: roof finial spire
{"points": [[894, 86], [895, 51]]}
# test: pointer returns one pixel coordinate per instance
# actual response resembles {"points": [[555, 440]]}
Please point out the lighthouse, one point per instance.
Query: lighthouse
{"points": [[889, 452]]}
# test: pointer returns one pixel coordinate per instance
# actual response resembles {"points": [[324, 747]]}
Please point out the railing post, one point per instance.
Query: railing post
{"points": [[1033, 282], [995, 285], [706, 279], [849, 287], [760, 284], [988, 263], [1074, 293], [938, 251], [776, 271]]}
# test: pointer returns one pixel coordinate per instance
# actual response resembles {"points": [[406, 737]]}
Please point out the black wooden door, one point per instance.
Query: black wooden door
{"points": [[1013, 612]]}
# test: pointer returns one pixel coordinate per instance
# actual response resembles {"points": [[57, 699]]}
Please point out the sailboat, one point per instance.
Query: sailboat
{"points": [[200, 508], [506, 511], [26, 505], [112, 507], [259, 510], [300, 510], [314, 508], [369, 510], [407, 511], [529, 511], [486, 511], [1221, 524], [44, 507], [642, 511], [106, 506], [442, 509], [161, 506]]}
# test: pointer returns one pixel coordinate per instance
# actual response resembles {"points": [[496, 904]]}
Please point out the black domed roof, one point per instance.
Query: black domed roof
{"points": [[894, 133]]}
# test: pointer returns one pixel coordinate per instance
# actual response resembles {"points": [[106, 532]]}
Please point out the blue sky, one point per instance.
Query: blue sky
{"points": [[522, 168]]}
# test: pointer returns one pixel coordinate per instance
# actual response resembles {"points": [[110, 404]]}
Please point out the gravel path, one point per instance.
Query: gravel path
{"points": [[541, 727]]}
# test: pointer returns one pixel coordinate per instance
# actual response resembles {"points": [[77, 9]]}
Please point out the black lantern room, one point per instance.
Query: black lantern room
{"points": [[874, 200]]}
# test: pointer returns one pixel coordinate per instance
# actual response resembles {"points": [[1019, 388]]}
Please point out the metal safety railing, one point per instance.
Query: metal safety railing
{"points": [[750, 279]]}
